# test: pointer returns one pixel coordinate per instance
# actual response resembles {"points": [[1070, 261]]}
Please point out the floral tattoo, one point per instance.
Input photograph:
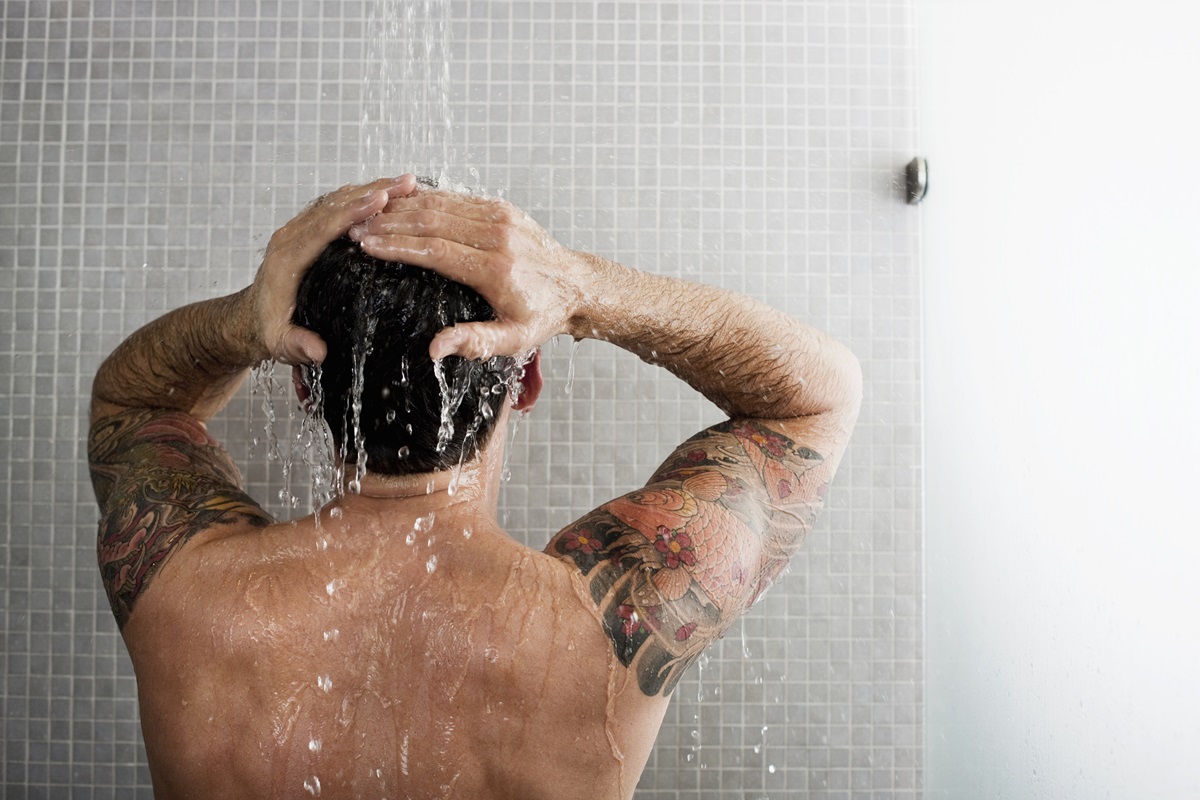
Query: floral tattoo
{"points": [[672, 565], [159, 479]]}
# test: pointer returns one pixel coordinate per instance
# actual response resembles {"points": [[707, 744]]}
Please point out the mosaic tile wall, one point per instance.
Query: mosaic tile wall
{"points": [[149, 148]]}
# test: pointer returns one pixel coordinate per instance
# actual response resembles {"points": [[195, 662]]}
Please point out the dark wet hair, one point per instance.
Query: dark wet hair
{"points": [[383, 315]]}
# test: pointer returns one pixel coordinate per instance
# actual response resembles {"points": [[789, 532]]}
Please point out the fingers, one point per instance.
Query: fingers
{"points": [[477, 341], [347, 206], [459, 262], [423, 205], [332, 214], [425, 222], [469, 205], [468, 240], [301, 346]]}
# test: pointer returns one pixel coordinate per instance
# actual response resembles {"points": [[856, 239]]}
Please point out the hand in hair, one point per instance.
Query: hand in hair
{"points": [[290, 253], [533, 283]]}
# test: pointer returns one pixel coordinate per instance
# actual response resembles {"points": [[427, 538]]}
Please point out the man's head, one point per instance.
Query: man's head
{"points": [[377, 319]]}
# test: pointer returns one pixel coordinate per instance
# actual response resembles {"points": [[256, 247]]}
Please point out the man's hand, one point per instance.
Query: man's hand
{"points": [[292, 250], [195, 357], [533, 283]]}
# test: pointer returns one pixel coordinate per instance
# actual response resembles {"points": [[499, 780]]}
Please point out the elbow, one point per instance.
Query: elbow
{"points": [[852, 378], [841, 383]]}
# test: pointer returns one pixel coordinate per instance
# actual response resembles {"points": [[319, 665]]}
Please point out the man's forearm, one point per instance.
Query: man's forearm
{"points": [[192, 359], [748, 358]]}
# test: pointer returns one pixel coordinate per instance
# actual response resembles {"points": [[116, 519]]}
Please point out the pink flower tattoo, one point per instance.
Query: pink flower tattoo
{"points": [[676, 546], [582, 539]]}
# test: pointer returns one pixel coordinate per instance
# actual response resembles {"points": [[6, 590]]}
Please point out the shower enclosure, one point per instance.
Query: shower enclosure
{"points": [[148, 149]]}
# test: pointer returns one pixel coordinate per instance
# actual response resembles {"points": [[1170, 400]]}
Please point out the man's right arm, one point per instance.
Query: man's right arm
{"points": [[672, 565]]}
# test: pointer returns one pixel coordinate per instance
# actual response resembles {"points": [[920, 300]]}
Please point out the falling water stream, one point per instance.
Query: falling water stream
{"points": [[407, 123]]}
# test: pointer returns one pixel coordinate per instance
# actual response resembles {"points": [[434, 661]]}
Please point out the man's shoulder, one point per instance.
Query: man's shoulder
{"points": [[160, 481]]}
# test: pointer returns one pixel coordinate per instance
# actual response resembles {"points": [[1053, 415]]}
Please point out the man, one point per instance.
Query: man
{"points": [[399, 643]]}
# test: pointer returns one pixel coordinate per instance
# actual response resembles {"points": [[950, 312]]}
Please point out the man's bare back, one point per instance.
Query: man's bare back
{"points": [[403, 645], [344, 660]]}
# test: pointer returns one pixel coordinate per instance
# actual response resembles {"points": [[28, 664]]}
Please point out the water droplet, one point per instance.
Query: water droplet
{"points": [[332, 635], [466, 533], [402, 452], [335, 513], [313, 786], [431, 564], [771, 768], [331, 587], [324, 683], [391, 415], [314, 745]]}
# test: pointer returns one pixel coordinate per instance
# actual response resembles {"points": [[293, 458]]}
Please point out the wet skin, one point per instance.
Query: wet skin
{"points": [[384, 651], [405, 644], [488, 677]]}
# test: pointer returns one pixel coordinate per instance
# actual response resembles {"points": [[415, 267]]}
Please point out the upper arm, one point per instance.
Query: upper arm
{"points": [[159, 479], [672, 565]]}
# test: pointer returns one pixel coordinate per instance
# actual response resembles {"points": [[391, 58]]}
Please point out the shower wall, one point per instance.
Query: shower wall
{"points": [[149, 148]]}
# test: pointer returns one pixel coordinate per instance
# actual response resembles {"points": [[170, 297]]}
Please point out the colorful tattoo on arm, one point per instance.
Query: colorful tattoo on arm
{"points": [[671, 566], [159, 479]]}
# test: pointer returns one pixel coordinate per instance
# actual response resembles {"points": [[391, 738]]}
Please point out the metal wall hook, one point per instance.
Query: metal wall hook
{"points": [[916, 176]]}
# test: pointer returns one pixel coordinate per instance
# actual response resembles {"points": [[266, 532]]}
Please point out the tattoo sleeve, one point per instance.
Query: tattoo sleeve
{"points": [[671, 566], [159, 478]]}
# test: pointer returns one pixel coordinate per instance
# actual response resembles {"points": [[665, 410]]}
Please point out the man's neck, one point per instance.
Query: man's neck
{"points": [[470, 487]]}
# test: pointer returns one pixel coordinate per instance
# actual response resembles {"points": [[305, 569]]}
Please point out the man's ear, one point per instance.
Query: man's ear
{"points": [[531, 383], [301, 388]]}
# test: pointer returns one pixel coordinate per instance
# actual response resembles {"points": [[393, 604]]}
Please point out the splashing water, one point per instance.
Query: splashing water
{"points": [[293, 443], [316, 443], [363, 346], [264, 382], [505, 472]]}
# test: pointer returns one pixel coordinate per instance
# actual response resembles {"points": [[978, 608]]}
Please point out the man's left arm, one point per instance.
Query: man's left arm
{"points": [[159, 477]]}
